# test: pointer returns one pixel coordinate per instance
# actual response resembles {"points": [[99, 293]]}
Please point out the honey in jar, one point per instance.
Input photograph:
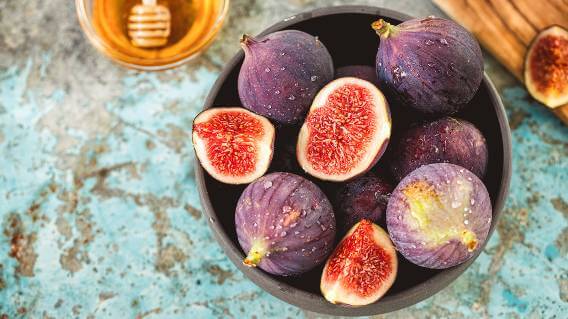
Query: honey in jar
{"points": [[156, 32]]}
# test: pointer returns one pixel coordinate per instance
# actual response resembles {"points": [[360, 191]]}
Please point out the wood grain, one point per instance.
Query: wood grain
{"points": [[506, 28]]}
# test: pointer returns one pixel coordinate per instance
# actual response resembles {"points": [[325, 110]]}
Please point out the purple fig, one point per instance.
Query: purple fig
{"points": [[365, 197], [433, 65], [439, 215], [285, 224], [281, 74], [447, 140], [364, 72]]}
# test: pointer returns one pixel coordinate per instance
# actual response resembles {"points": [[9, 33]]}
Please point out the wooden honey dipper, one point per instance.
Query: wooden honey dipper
{"points": [[149, 24]]}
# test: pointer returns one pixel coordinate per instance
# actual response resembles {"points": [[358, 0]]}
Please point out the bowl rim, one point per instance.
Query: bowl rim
{"points": [[315, 302]]}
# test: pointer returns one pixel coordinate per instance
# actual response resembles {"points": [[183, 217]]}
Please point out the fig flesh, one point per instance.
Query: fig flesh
{"points": [[365, 197], [447, 140], [439, 215], [546, 67], [285, 224], [281, 74], [364, 72], [346, 131], [433, 65], [362, 268], [233, 145]]}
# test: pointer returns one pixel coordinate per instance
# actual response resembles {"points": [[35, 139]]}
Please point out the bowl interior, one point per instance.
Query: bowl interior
{"points": [[350, 40]]}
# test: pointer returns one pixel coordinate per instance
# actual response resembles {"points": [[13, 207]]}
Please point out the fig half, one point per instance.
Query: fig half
{"points": [[546, 67], [346, 131], [362, 268], [233, 145]]}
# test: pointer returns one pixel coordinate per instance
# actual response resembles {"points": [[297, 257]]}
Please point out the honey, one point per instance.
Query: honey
{"points": [[153, 33]]}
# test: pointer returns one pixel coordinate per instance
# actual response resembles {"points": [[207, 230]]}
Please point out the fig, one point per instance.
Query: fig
{"points": [[546, 67], [285, 224], [365, 72], [233, 145], [447, 140], [365, 197], [439, 215], [362, 268], [433, 65], [346, 131], [281, 74]]}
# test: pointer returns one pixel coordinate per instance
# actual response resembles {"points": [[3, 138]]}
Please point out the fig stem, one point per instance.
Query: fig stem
{"points": [[247, 40], [383, 28], [255, 254]]}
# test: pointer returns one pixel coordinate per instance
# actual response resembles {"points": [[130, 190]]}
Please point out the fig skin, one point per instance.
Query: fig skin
{"points": [[365, 197], [281, 74], [362, 268], [447, 140], [439, 215], [285, 224], [546, 67], [432, 65], [364, 72]]}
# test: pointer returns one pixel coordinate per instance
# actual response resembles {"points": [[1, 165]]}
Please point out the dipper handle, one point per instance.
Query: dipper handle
{"points": [[149, 24]]}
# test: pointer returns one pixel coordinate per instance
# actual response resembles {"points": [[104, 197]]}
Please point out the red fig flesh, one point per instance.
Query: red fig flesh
{"points": [[233, 145], [546, 67], [362, 268], [346, 131]]}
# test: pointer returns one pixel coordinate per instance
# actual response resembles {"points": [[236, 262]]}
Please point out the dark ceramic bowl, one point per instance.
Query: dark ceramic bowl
{"points": [[347, 34]]}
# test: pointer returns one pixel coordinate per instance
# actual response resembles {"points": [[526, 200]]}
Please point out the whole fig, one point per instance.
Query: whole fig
{"points": [[285, 224], [365, 197], [447, 140], [439, 215], [281, 74], [433, 65], [364, 72]]}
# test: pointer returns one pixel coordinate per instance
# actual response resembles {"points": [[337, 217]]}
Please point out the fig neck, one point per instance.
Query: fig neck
{"points": [[384, 29], [255, 254], [247, 41]]}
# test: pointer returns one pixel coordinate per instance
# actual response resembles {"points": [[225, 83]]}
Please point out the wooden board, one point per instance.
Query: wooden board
{"points": [[506, 27]]}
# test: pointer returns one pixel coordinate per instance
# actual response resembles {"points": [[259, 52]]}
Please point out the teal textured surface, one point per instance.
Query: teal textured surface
{"points": [[99, 212]]}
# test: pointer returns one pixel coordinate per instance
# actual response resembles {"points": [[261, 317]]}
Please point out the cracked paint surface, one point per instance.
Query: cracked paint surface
{"points": [[99, 212]]}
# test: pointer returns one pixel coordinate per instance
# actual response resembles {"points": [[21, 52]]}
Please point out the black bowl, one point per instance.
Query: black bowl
{"points": [[347, 34]]}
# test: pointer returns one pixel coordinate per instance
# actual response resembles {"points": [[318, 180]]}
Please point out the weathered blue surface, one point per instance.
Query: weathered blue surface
{"points": [[99, 211]]}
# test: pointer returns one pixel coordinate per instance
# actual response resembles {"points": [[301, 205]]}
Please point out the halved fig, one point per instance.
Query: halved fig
{"points": [[362, 268], [233, 145], [546, 67], [346, 131]]}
